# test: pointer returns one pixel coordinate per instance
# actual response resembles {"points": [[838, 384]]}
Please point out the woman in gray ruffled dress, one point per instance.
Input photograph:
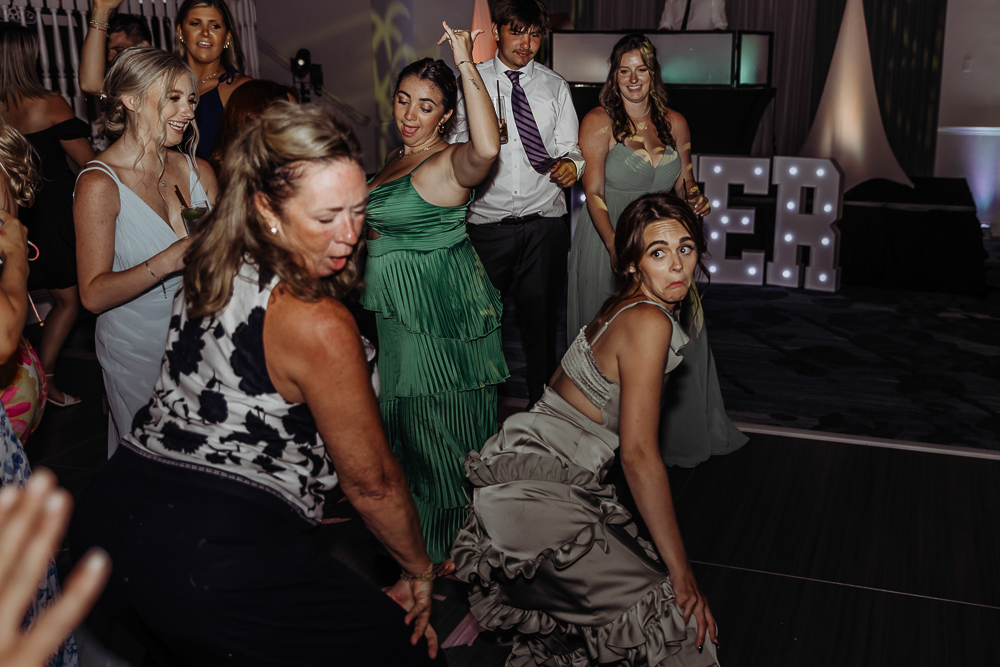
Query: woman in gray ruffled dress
{"points": [[551, 554]]}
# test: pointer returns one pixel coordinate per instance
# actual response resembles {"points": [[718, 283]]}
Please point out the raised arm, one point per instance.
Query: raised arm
{"points": [[471, 161], [685, 180], [595, 135], [96, 205], [300, 337], [93, 54], [13, 278], [642, 359]]}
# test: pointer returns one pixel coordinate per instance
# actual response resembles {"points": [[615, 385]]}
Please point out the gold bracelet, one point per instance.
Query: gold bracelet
{"points": [[426, 575], [164, 287], [462, 62], [98, 25]]}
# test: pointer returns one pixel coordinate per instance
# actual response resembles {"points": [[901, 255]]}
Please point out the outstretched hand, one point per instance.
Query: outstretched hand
{"points": [[460, 40], [32, 523], [415, 598]]}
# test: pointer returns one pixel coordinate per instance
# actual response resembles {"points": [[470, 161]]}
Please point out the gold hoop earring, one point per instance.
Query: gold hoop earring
{"points": [[441, 128]]}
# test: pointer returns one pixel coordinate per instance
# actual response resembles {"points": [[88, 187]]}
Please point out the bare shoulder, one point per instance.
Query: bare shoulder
{"points": [[57, 109], [676, 119], [595, 119], [644, 327], [316, 329], [96, 183]]}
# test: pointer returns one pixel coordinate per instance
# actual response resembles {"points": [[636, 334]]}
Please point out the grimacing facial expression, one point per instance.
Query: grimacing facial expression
{"points": [[669, 259], [516, 47]]}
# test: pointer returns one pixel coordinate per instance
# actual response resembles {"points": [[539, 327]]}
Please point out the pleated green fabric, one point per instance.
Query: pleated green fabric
{"points": [[440, 353]]}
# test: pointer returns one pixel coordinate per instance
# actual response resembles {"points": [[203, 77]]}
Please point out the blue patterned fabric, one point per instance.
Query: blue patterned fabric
{"points": [[15, 470]]}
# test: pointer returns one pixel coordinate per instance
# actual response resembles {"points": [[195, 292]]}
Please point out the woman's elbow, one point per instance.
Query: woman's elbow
{"points": [[90, 300]]}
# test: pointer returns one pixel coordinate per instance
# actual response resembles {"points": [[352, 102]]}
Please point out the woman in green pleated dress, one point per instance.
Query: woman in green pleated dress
{"points": [[634, 144], [438, 315]]}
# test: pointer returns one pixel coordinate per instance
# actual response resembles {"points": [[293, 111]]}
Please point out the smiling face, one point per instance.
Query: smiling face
{"points": [[178, 103], [321, 220], [668, 262], [634, 78], [515, 46], [418, 110], [204, 34]]}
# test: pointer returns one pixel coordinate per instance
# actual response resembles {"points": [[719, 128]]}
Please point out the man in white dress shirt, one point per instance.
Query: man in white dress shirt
{"points": [[517, 222]]}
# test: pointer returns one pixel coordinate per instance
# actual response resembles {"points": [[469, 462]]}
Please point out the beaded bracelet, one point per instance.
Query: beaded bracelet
{"points": [[426, 575], [164, 287]]}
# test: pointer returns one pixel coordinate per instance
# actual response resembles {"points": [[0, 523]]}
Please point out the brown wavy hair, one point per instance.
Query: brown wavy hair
{"points": [[629, 247], [268, 156], [17, 163], [18, 63], [622, 125]]}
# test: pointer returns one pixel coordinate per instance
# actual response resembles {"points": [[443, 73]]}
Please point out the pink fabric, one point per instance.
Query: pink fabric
{"points": [[24, 398]]}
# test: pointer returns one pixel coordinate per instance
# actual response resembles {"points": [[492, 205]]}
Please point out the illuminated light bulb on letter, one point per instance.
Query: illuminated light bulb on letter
{"points": [[716, 203], [791, 205], [786, 274], [717, 169], [793, 170], [822, 277], [757, 171], [788, 238], [745, 220], [713, 268], [752, 270], [715, 235], [724, 219], [825, 240], [821, 172], [828, 208]]}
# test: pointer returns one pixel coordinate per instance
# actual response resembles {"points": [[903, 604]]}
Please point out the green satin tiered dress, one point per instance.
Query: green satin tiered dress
{"points": [[440, 353]]}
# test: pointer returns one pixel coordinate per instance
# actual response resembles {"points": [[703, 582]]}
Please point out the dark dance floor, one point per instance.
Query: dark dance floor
{"points": [[812, 550]]}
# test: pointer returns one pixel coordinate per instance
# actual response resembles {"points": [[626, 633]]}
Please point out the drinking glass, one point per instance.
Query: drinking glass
{"points": [[192, 214]]}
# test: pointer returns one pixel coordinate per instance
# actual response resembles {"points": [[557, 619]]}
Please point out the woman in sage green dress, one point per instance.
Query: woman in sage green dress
{"points": [[635, 144], [438, 315]]}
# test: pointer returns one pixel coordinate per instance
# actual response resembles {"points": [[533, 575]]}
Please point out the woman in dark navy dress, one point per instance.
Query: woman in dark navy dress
{"points": [[206, 41]]}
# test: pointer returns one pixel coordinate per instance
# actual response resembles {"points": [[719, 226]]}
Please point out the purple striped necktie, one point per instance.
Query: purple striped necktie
{"points": [[527, 130]]}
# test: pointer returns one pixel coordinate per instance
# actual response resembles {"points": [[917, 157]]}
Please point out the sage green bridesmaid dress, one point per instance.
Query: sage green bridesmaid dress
{"points": [[440, 353], [693, 420]]}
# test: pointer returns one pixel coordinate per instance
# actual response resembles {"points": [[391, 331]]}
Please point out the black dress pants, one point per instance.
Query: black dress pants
{"points": [[211, 571], [527, 256]]}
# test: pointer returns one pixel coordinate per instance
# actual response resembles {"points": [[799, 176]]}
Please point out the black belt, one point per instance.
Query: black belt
{"points": [[520, 220]]}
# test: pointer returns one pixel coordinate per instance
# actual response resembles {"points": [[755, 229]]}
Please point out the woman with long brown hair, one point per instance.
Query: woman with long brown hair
{"points": [[550, 551], [634, 143], [49, 124]]}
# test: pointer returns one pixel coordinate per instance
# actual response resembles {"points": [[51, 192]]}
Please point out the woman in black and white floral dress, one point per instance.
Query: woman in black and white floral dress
{"points": [[263, 404]]}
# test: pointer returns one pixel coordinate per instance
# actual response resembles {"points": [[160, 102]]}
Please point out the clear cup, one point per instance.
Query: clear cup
{"points": [[191, 214], [502, 118]]}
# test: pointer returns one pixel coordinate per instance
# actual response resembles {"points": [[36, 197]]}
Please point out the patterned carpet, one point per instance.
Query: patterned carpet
{"points": [[915, 366]]}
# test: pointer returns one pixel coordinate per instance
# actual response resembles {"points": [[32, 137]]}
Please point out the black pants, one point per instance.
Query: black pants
{"points": [[209, 571], [528, 257]]}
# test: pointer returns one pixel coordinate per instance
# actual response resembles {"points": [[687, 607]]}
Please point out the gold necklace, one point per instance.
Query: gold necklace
{"points": [[214, 74], [427, 148], [636, 119]]}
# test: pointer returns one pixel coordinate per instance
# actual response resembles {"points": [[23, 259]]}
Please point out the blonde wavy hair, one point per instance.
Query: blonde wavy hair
{"points": [[17, 164], [136, 72], [268, 156]]}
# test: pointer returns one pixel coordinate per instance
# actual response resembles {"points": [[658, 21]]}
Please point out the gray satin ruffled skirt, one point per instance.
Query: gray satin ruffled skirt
{"points": [[554, 558]]}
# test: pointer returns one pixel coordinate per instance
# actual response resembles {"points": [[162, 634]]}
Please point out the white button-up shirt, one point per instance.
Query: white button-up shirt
{"points": [[514, 188]]}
